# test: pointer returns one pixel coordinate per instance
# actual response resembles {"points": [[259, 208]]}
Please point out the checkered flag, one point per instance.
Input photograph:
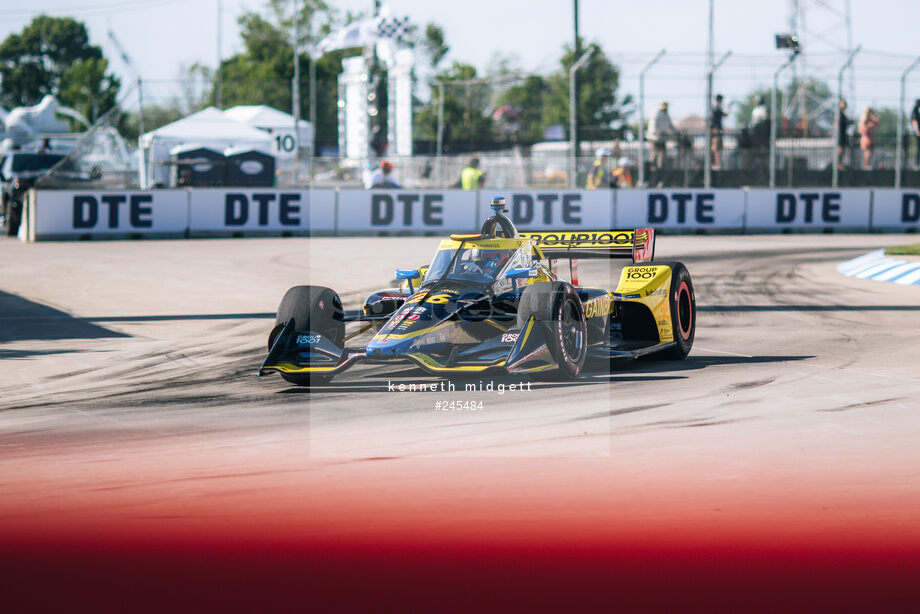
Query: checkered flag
{"points": [[393, 28]]}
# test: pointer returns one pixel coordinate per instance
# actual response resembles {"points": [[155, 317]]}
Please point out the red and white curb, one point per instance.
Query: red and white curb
{"points": [[876, 265]]}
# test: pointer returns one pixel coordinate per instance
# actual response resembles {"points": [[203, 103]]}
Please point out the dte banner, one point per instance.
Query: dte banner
{"points": [[807, 209], [555, 210], [109, 212], [896, 210], [247, 209], [420, 211], [681, 209]]}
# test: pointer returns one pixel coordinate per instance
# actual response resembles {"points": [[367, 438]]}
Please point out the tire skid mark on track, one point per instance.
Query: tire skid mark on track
{"points": [[614, 412], [751, 384], [863, 405]]}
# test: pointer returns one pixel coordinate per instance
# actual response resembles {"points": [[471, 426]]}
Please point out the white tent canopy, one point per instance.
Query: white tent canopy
{"points": [[208, 128], [258, 127], [277, 123]]}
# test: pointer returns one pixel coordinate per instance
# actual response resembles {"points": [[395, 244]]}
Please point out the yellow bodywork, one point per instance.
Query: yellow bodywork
{"points": [[650, 285]]}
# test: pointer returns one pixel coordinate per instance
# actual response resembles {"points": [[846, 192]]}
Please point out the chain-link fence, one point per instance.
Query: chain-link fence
{"points": [[807, 145], [99, 158]]}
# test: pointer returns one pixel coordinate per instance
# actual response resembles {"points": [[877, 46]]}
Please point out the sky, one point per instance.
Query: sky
{"points": [[162, 35]]}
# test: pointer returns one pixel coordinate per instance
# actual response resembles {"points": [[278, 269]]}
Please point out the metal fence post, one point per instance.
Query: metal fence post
{"points": [[440, 130], [773, 118], [641, 179], [573, 115], [899, 155], [834, 168]]}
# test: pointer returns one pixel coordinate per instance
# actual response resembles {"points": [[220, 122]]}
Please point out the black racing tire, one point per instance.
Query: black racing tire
{"points": [[555, 306], [683, 312], [316, 309], [313, 308]]}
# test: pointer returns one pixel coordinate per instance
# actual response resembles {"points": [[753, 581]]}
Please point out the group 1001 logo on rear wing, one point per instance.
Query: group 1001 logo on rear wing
{"points": [[638, 244]]}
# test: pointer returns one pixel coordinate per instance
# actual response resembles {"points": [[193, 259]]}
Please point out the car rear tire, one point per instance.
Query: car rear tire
{"points": [[555, 306], [316, 309], [683, 312]]}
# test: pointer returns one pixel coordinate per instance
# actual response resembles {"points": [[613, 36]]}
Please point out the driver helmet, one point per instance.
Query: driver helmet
{"points": [[492, 260]]}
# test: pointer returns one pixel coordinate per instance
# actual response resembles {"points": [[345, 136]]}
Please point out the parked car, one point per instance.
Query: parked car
{"points": [[19, 170]]}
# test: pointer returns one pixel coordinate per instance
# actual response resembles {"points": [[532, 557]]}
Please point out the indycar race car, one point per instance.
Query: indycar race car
{"points": [[493, 301]]}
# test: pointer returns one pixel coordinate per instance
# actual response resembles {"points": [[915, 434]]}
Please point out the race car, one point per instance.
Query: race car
{"points": [[494, 301]]}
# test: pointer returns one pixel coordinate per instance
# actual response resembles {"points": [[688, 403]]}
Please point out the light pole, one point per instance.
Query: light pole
{"points": [[440, 151], [707, 168], [899, 151], [218, 86], [641, 156], [573, 115], [835, 172], [295, 94], [773, 118]]}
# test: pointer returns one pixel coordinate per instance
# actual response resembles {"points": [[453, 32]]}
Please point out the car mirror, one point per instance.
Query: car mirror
{"points": [[409, 275]]}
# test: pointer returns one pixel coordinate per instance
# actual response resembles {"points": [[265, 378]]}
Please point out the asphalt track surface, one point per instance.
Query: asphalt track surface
{"points": [[143, 465]]}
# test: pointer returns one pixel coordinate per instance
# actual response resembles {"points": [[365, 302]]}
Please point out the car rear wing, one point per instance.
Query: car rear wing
{"points": [[638, 244]]}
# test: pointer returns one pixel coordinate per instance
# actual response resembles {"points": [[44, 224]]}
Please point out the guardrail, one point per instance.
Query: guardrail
{"points": [[68, 214]]}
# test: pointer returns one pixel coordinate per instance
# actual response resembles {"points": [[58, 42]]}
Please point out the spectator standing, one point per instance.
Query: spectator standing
{"points": [[843, 140], [915, 124], [715, 125], [760, 129], [624, 175], [868, 124], [660, 129], [383, 177], [600, 175], [745, 144], [471, 178]]}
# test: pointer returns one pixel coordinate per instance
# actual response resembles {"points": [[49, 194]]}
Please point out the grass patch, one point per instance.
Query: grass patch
{"points": [[903, 250]]}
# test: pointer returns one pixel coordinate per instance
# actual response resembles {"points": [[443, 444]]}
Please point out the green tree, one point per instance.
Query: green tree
{"points": [[528, 99], [600, 112], [819, 108], [87, 88], [52, 55], [467, 106], [746, 107], [888, 123], [155, 116], [433, 44], [262, 73]]}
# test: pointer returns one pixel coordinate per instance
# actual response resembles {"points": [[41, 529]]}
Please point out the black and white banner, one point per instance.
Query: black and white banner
{"points": [[423, 211], [108, 212], [680, 209], [234, 210], [808, 209], [229, 211], [554, 209], [896, 210]]}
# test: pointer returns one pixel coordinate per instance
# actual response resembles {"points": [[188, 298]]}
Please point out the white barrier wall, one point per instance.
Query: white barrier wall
{"points": [[808, 209], [681, 209], [221, 210], [896, 210], [66, 213], [52, 214], [555, 210], [423, 211]]}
